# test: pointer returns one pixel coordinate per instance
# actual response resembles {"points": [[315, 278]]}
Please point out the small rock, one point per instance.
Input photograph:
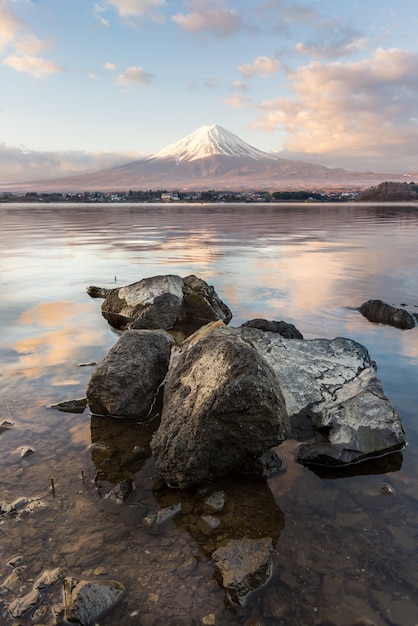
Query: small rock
{"points": [[88, 364], [245, 565], [87, 601], [71, 406], [216, 501], [25, 451], [48, 578], [19, 606], [120, 492]]}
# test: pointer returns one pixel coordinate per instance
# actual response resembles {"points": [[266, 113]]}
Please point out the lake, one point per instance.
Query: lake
{"points": [[345, 543]]}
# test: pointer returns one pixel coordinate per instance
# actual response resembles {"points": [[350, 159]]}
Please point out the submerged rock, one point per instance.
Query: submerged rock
{"points": [[383, 313], [244, 565], [71, 406], [222, 406], [162, 302], [19, 606], [126, 382], [87, 601]]}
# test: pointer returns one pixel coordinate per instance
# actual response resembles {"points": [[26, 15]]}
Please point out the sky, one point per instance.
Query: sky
{"points": [[86, 85]]}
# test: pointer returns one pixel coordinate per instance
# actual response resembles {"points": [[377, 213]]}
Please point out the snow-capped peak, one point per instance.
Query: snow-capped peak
{"points": [[210, 141]]}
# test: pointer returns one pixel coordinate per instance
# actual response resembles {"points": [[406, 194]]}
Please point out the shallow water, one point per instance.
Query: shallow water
{"points": [[344, 543]]}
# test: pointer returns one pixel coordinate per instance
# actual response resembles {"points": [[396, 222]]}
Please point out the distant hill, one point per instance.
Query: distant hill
{"points": [[390, 192], [210, 158]]}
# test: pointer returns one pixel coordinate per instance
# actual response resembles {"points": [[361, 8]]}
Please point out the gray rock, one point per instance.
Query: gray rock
{"points": [[120, 492], [358, 426], [162, 302], [87, 601], [126, 382], [379, 311], [202, 303], [70, 406], [222, 405], [98, 292], [245, 565], [282, 328], [331, 383]]}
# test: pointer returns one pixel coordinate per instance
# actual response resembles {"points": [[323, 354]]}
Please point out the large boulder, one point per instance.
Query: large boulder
{"points": [[332, 394], [162, 302], [222, 406], [383, 313], [126, 382]]}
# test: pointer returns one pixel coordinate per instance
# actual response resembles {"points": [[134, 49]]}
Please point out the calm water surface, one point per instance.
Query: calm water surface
{"points": [[345, 544]]}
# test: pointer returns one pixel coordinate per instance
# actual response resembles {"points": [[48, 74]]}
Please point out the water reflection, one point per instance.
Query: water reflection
{"points": [[345, 551]]}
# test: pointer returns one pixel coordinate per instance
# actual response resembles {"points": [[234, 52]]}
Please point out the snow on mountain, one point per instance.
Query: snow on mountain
{"points": [[209, 141]]}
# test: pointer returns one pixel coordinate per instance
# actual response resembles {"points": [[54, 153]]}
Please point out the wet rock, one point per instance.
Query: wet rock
{"points": [[98, 292], [19, 606], [162, 302], [215, 501], [331, 389], [383, 313], [120, 492], [6, 425], [87, 601], [25, 451], [22, 506], [87, 364], [244, 565], [282, 328], [48, 578], [222, 406], [265, 465], [358, 427], [70, 406], [126, 382], [202, 303], [162, 516]]}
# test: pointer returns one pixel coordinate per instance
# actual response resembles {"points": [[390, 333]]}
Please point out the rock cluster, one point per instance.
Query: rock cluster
{"points": [[383, 313]]}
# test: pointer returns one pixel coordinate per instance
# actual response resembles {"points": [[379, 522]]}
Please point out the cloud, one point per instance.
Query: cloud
{"points": [[134, 75], [239, 84], [9, 26], [209, 16], [109, 66], [366, 108], [237, 101], [333, 41], [18, 164], [36, 66], [98, 9], [24, 46], [262, 66], [138, 8], [280, 14]]}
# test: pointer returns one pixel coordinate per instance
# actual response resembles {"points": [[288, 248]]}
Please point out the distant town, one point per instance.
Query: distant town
{"points": [[384, 192]]}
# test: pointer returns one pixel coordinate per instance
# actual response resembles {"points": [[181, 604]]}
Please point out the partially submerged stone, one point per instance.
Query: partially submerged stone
{"points": [[162, 302], [71, 406], [87, 601], [332, 384], [20, 606], [244, 565], [383, 313], [282, 328], [222, 406], [126, 382]]}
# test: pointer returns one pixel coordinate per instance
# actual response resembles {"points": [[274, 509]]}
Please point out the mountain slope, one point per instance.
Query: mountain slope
{"points": [[210, 158]]}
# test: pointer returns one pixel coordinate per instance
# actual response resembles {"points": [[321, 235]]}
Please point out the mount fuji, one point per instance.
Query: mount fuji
{"points": [[211, 158]]}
